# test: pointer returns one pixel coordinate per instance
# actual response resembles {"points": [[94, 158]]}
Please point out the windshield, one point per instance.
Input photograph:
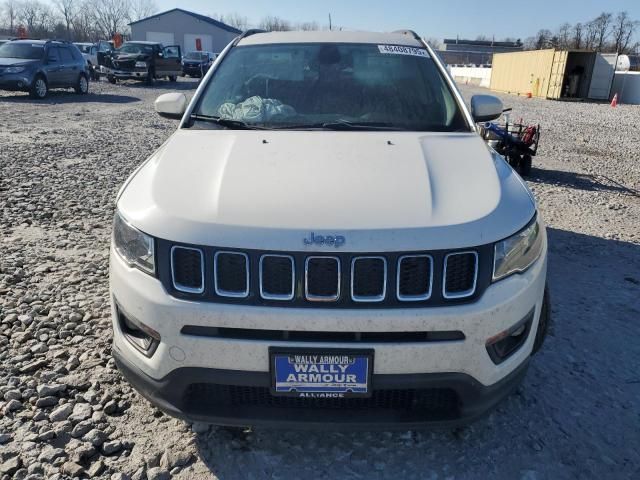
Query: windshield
{"points": [[196, 56], [83, 48], [28, 51], [136, 48], [312, 85]]}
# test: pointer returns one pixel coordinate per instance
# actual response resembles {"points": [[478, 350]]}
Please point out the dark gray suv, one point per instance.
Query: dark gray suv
{"points": [[36, 66]]}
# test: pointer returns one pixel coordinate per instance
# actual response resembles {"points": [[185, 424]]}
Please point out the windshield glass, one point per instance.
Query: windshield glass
{"points": [[84, 48], [196, 56], [136, 48], [29, 51], [310, 85]]}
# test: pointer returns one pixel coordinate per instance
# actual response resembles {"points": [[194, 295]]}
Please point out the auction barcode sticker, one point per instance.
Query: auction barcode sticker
{"points": [[401, 50]]}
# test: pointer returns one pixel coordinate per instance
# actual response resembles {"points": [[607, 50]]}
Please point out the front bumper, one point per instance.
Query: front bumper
{"points": [[222, 370], [17, 82], [126, 74], [194, 70], [238, 398]]}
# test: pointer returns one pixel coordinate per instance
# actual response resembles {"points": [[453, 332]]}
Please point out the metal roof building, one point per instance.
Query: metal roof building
{"points": [[184, 28]]}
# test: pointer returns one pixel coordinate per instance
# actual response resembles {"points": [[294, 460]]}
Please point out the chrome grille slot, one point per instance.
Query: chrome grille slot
{"points": [[322, 279], [415, 278], [187, 269], [231, 274], [460, 274], [277, 277], [368, 279]]}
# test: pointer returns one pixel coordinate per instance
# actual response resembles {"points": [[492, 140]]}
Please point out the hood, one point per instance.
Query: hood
{"points": [[16, 62], [382, 191], [129, 56]]}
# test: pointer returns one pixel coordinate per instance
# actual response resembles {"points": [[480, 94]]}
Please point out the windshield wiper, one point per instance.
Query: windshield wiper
{"points": [[344, 125], [227, 122]]}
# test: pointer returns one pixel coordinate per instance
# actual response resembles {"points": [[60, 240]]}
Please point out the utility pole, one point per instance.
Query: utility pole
{"points": [[329, 21]]}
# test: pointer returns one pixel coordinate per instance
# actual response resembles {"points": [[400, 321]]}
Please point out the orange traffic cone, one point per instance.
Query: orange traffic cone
{"points": [[614, 102]]}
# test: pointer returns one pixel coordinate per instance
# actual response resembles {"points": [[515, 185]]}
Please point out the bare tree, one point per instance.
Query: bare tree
{"points": [[28, 14], [542, 39], [67, 9], [111, 16], [564, 36], [591, 35], [602, 24], [274, 24], [234, 20], [139, 9], [84, 23], [623, 30], [11, 8], [308, 26], [577, 36]]}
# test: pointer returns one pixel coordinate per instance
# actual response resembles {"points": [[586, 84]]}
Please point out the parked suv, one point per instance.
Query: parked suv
{"points": [[326, 240], [143, 61], [36, 66], [196, 64]]}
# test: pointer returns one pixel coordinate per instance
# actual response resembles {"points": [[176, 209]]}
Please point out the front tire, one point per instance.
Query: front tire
{"points": [[39, 89], [112, 79], [82, 86], [173, 78], [151, 76]]}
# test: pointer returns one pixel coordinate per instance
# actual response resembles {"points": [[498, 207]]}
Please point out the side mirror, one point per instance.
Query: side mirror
{"points": [[485, 108], [171, 105]]}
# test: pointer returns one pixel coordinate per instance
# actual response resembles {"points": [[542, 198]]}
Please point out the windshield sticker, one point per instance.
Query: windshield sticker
{"points": [[400, 50]]}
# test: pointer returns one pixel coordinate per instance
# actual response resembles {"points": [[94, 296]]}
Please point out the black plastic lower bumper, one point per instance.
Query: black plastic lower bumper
{"points": [[238, 398]]}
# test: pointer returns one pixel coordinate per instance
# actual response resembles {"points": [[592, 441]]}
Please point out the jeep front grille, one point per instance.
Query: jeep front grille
{"points": [[277, 277], [187, 269], [368, 279], [327, 279], [460, 271], [415, 278], [231, 274], [322, 279]]}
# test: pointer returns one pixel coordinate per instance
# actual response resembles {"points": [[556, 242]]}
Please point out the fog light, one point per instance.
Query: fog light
{"points": [[143, 338], [506, 343]]}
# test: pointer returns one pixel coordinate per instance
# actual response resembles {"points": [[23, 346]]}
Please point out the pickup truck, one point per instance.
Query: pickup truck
{"points": [[145, 61]]}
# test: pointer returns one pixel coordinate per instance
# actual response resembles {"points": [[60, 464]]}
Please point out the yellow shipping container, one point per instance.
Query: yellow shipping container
{"points": [[527, 72], [555, 74]]}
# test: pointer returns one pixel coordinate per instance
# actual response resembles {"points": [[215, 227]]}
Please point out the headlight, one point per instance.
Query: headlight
{"points": [[141, 64], [15, 70], [518, 252], [135, 247]]}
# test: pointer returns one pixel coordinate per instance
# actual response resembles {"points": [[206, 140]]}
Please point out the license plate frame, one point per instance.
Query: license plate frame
{"points": [[366, 355]]}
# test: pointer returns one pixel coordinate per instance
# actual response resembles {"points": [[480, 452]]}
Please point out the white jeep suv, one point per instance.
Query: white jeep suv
{"points": [[326, 240]]}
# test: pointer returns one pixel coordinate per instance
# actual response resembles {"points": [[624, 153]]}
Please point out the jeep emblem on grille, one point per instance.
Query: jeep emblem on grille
{"points": [[328, 240]]}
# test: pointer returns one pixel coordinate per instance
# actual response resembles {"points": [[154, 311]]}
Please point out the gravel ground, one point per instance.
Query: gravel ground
{"points": [[65, 411]]}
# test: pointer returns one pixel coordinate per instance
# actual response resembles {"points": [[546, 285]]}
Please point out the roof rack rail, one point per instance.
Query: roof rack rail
{"points": [[408, 32], [247, 33]]}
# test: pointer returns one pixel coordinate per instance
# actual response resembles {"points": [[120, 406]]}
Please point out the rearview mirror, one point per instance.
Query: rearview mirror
{"points": [[485, 108], [171, 105]]}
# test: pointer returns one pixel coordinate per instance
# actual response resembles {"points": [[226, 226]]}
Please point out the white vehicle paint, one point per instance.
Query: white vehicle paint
{"points": [[410, 199], [89, 52]]}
